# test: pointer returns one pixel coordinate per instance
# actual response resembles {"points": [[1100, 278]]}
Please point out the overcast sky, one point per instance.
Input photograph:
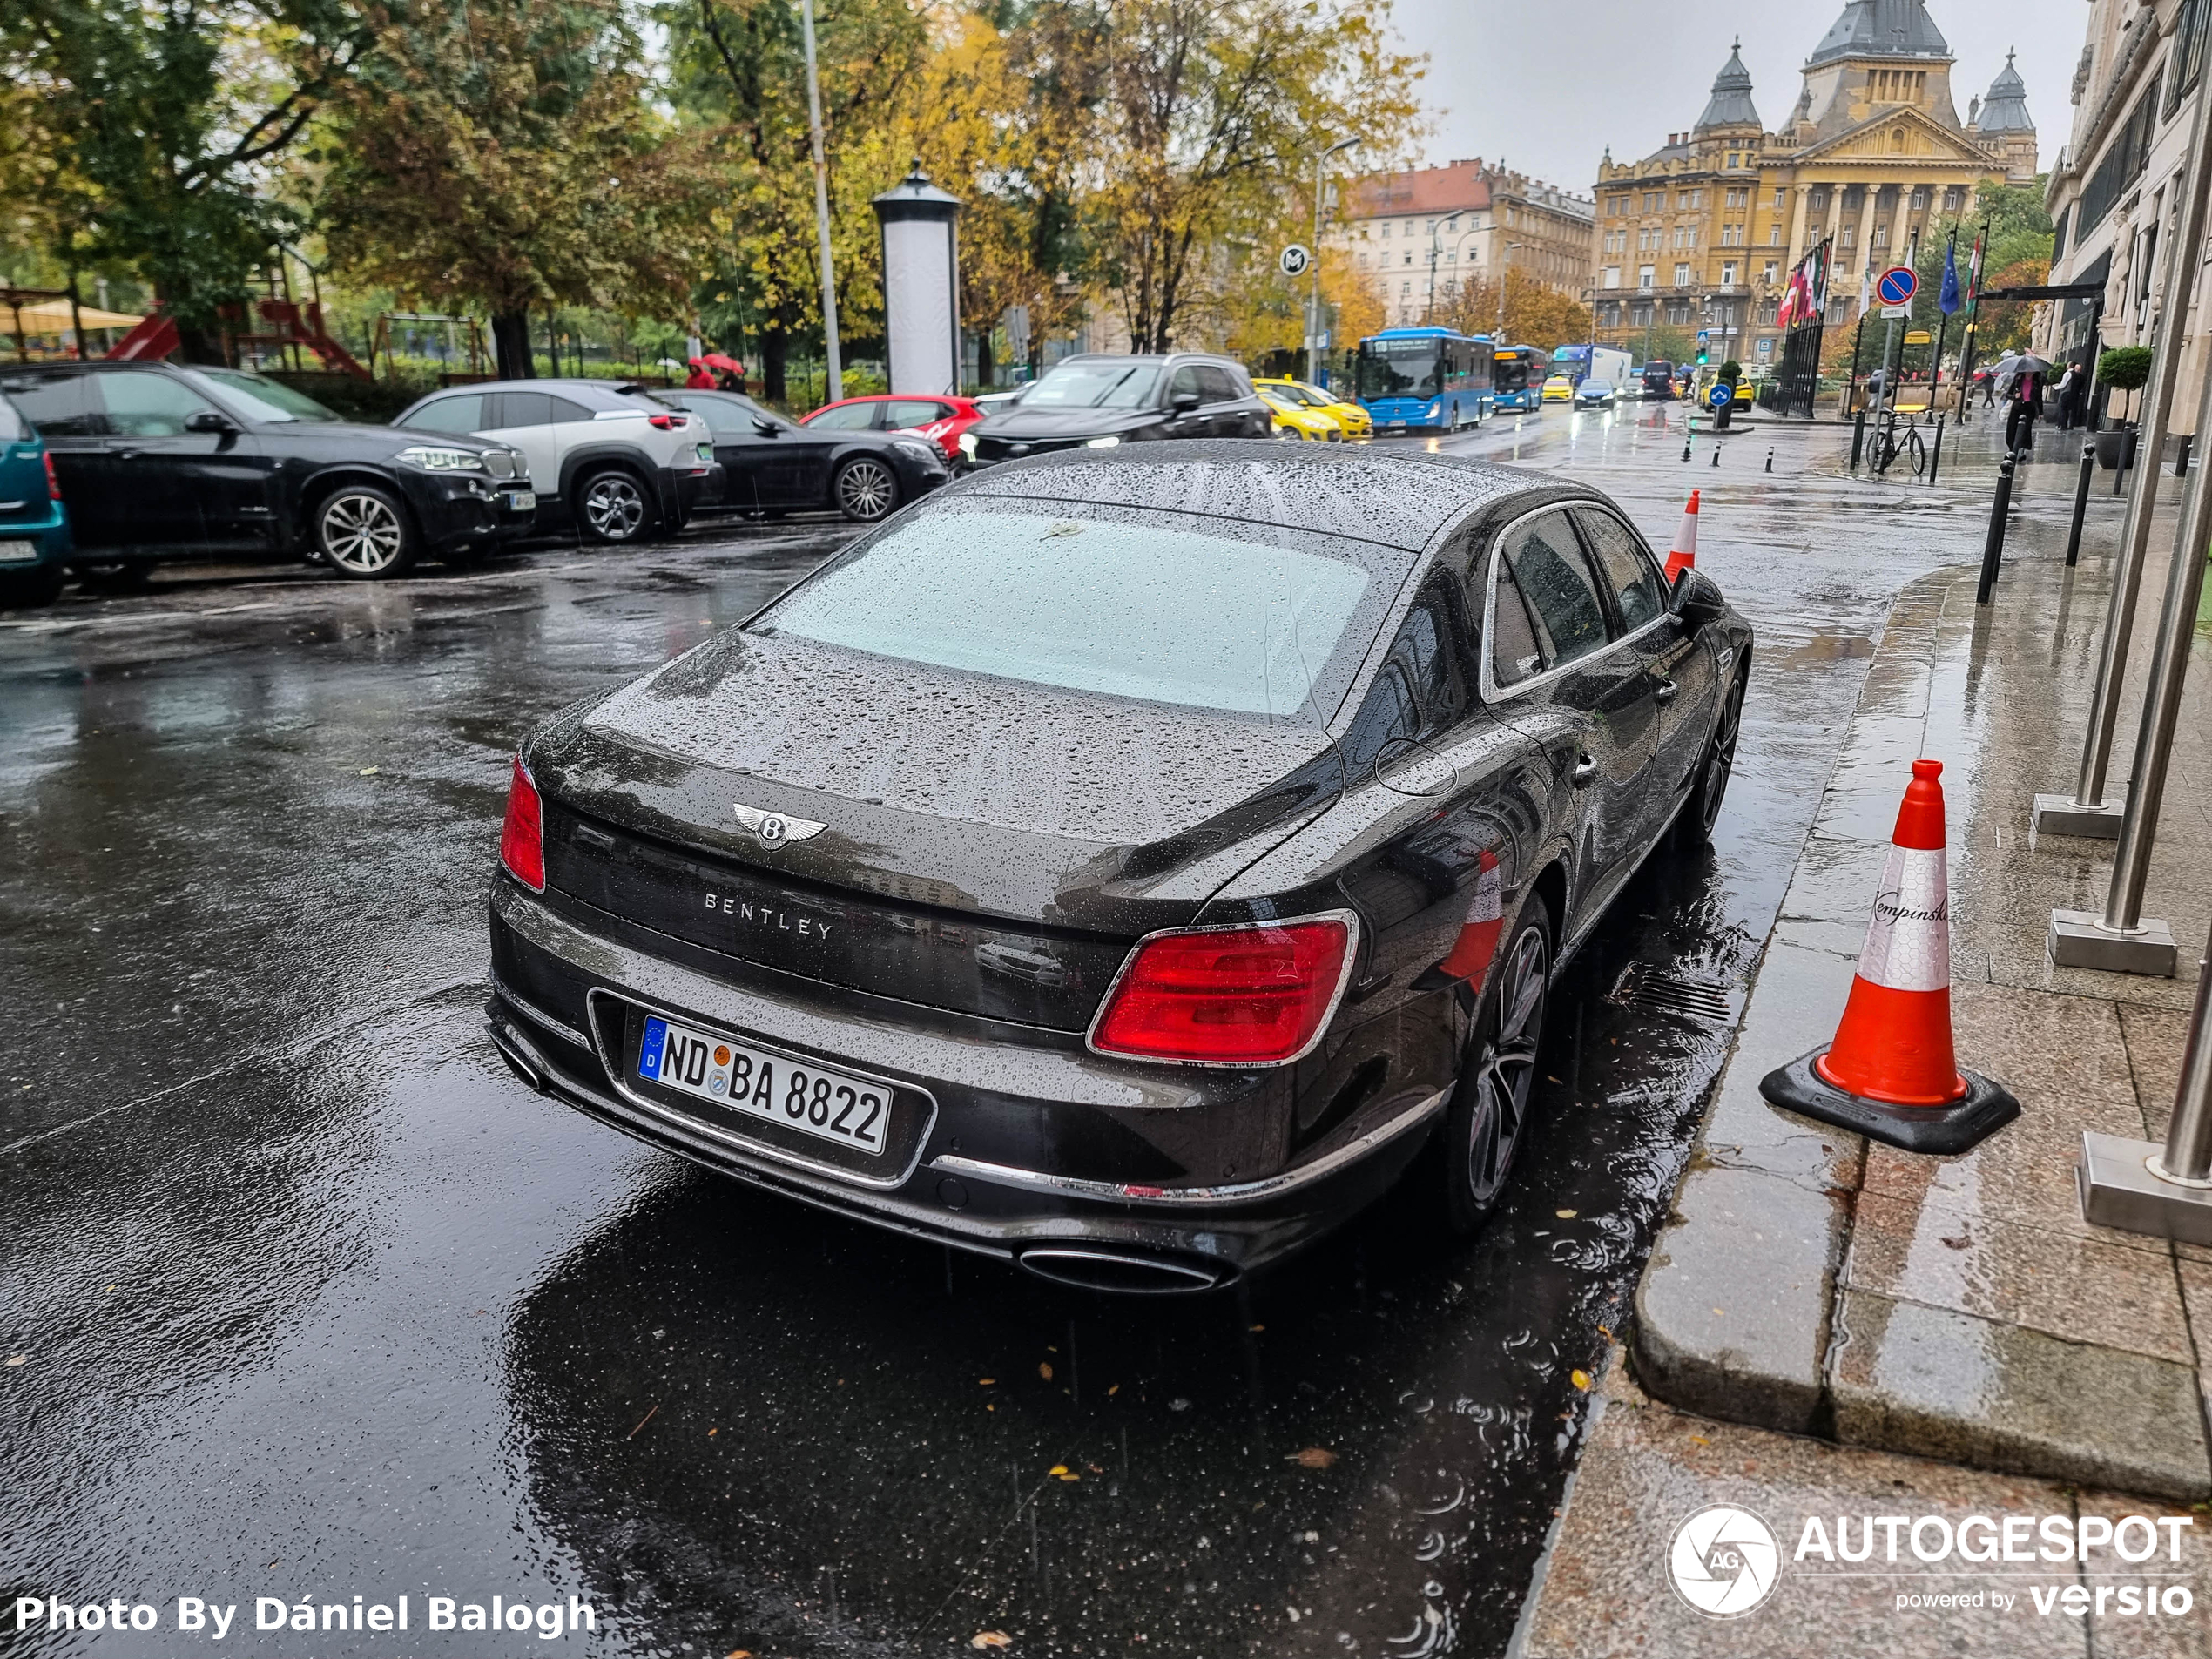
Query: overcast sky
{"points": [[1547, 84]]}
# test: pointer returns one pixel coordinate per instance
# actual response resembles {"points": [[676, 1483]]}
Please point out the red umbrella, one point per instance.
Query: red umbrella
{"points": [[716, 359]]}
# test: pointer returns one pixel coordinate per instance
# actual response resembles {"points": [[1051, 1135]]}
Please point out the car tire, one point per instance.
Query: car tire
{"points": [[865, 489], [362, 532], [1694, 828], [116, 576], [612, 508], [1487, 1119], [28, 589]]}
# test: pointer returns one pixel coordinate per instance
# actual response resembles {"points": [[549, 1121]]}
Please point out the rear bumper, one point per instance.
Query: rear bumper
{"points": [[49, 534], [1019, 1159]]}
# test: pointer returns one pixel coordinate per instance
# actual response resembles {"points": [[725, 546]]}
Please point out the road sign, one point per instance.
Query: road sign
{"points": [[1704, 336], [1296, 259], [1895, 312], [1919, 337], [1896, 286], [1722, 395]]}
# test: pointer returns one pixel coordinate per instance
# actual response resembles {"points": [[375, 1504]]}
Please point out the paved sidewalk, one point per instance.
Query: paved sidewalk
{"points": [[1881, 1310]]}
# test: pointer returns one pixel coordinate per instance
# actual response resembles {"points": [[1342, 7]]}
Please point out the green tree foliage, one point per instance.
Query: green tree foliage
{"points": [[156, 130], [508, 153]]}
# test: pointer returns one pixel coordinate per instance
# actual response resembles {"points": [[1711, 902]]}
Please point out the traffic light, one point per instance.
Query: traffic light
{"points": [[1703, 357]]}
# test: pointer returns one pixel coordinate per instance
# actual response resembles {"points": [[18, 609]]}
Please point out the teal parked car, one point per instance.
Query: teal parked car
{"points": [[35, 541]]}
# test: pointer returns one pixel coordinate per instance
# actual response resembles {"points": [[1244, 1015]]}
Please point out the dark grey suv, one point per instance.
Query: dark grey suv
{"points": [[1102, 402]]}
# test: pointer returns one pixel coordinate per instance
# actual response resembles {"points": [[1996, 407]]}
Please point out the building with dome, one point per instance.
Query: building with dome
{"points": [[1703, 232]]}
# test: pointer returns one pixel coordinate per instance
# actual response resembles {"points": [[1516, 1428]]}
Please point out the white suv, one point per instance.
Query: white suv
{"points": [[606, 455]]}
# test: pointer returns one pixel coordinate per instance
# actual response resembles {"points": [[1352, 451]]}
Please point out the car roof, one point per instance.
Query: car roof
{"points": [[605, 394], [1399, 501]]}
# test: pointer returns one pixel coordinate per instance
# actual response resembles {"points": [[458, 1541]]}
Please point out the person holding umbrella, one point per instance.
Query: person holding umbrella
{"points": [[2026, 397]]}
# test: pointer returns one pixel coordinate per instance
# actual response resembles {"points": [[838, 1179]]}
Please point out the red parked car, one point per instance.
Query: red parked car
{"points": [[941, 420]]}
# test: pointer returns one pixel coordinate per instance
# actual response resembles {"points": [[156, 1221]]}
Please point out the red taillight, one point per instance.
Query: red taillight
{"points": [[53, 484], [665, 423], [1230, 996], [522, 838]]}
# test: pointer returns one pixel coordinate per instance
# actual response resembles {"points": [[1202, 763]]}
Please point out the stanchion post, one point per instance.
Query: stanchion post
{"points": [[1935, 459], [1857, 439], [2088, 813], [1993, 549], [2166, 1191], [2080, 503]]}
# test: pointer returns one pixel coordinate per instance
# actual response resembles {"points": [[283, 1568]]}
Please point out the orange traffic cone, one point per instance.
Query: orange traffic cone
{"points": [[1478, 940], [1891, 1074], [1684, 556]]}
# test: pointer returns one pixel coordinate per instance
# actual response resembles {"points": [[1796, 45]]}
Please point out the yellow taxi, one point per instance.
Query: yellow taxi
{"points": [[1560, 388], [1352, 418], [1295, 418]]}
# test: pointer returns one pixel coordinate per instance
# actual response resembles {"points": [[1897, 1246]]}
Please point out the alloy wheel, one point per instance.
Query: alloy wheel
{"points": [[1720, 757], [362, 533], [1506, 1070], [614, 507], [867, 490]]}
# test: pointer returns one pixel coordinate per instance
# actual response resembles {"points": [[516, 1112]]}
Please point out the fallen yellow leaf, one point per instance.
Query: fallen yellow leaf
{"points": [[1044, 1369], [368, 772], [987, 1381], [741, 1653], [1057, 1468], [1314, 1457], [991, 1639], [1116, 1389], [1581, 1379], [1564, 1214]]}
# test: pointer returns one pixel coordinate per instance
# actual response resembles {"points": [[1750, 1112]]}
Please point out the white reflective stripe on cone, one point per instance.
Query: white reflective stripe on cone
{"points": [[1489, 896], [1908, 942]]}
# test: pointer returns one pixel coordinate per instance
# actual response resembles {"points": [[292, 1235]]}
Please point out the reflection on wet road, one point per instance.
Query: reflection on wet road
{"points": [[312, 1299]]}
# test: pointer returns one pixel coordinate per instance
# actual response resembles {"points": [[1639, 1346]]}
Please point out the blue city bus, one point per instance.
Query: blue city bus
{"points": [[1425, 380], [1517, 376], [1579, 363]]}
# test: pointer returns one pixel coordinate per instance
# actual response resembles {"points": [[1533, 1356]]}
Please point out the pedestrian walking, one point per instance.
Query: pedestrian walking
{"points": [[2066, 395], [2027, 405]]}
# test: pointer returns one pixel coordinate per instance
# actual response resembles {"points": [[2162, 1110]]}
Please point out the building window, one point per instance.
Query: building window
{"points": [[1646, 277], [1677, 311], [1774, 234], [1769, 271], [1363, 261], [1640, 315], [2189, 36], [1953, 199], [1850, 235], [1920, 200], [1385, 230], [1612, 276], [1734, 159], [1682, 276], [1727, 274], [1881, 236], [1404, 290]]}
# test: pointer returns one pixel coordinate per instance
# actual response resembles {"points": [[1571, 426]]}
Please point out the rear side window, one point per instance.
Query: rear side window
{"points": [[1217, 385], [847, 417], [559, 411], [1626, 566], [1514, 654], [461, 413], [60, 406], [503, 411], [1186, 383], [912, 412], [1546, 562], [13, 427]]}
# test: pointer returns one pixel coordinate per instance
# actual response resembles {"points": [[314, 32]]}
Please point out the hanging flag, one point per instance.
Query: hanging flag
{"points": [[1950, 302]]}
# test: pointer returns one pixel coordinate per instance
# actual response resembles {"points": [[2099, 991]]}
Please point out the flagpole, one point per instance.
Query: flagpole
{"points": [[1946, 301], [1973, 326]]}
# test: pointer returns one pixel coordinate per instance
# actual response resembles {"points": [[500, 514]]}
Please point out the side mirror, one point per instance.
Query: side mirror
{"points": [[209, 420], [764, 427], [1698, 600], [1184, 402]]}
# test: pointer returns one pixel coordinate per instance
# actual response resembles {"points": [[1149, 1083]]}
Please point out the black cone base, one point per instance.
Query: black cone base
{"points": [[1933, 1129]]}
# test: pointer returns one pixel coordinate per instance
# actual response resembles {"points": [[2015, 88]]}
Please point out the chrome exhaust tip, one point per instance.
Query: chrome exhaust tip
{"points": [[517, 1062], [1124, 1272]]}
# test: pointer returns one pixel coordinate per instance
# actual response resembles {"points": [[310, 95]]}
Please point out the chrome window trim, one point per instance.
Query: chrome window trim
{"points": [[1650, 559], [1349, 918], [1241, 1192], [616, 1076], [1492, 694]]}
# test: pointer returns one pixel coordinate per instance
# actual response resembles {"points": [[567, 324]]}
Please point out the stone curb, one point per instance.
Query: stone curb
{"points": [[1739, 1315]]}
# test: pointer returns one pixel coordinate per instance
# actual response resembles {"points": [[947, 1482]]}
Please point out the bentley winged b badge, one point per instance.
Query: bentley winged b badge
{"points": [[773, 829]]}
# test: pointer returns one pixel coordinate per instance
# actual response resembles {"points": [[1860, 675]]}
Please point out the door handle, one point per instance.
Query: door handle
{"points": [[126, 455], [1585, 772], [1666, 691]]}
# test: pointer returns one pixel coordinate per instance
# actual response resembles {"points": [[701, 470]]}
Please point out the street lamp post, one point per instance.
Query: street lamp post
{"points": [[821, 208], [1313, 303]]}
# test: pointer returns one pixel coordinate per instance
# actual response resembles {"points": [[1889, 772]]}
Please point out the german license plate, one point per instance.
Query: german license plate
{"points": [[851, 1111], [522, 500], [18, 552]]}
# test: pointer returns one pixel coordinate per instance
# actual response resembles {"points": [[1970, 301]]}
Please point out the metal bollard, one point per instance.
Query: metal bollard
{"points": [[1993, 551], [2080, 503], [1716, 455], [2166, 1194], [1935, 458], [1857, 439], [2120, 472], [1685, 449], [1769, 460]]}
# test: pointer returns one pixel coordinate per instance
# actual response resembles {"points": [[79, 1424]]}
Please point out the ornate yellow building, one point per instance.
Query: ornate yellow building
{"points": [[1701, 233]]}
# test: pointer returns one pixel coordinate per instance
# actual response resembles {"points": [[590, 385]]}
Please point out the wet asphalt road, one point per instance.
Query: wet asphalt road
{"points": [[303, 1296]]}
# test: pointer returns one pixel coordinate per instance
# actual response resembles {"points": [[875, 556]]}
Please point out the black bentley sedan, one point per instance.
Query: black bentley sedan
{"points": [[1130, 864], [774, 466], [158, 461], [1094, 401]]}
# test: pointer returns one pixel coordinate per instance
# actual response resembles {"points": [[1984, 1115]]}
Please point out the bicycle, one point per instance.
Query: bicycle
{"points": [[1888, 447]]}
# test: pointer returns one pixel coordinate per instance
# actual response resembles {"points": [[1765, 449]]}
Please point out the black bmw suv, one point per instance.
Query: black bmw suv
{"points": [[1100, 402], [158, 461]]}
